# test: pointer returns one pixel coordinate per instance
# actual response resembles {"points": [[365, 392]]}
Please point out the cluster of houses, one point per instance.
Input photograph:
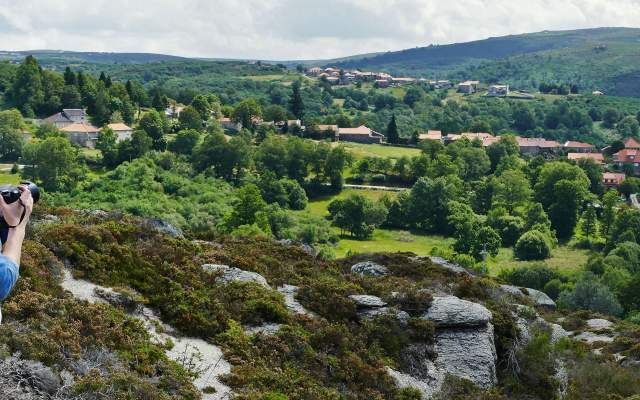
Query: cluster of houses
{"points": [[575, 150], [344, 77], [470, 87], [74, 122]]}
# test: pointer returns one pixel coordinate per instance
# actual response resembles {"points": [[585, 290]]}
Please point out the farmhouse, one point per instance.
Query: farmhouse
{"points": [[229, 125], [83, 134], [121, 130], [498, 90], [631, 143], [468, 87], [612, 179], [361, 134], [578, 147], [537, 145], [598, 158], [430, 135], [67, 117]]}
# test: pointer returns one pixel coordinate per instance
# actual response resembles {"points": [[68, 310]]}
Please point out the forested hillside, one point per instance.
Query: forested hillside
{"points": [[604, 58]]}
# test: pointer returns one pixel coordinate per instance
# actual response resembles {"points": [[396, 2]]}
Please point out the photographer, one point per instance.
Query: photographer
{"points": [[16, 216]]}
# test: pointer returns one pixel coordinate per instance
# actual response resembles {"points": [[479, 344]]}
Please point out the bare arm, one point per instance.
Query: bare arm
{"points": [[12, 248]]}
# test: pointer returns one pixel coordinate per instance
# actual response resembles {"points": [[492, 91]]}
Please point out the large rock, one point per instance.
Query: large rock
{"points": [[450, 311], [463, 347], [537, 297], [599, 324], [289, 292], [367, 301], [126, 301], [231, 274], [448, 265], [468, 353], [369, 268], [371, 313], [591, 338], [166, 228]]}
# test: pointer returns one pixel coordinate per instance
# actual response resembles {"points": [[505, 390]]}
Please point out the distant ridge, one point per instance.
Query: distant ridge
{"points": [[50, 56]]}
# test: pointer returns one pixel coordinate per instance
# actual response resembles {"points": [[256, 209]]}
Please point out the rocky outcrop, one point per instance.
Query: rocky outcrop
{"points": [[289, 292], [448, 265], [463, 347], [165, 227], [369, 268], [451, 311], [367, 301], [231, 274], [205, 359], [537, 297], [599, 324]]}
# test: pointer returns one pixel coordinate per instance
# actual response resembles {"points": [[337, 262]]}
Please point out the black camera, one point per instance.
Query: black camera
{"points": [[11, 194]]}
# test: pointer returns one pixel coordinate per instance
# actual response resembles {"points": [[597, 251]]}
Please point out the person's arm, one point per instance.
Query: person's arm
{"points": [[12, 248]]}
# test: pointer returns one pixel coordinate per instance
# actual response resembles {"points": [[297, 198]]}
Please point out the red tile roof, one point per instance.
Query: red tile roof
{"points": [[597, 157], [631, 143], [577, 145], [613, 178], [627, 155]]}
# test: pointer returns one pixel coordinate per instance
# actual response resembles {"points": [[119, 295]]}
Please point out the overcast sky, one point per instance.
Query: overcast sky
{"points": [[288, 29]]}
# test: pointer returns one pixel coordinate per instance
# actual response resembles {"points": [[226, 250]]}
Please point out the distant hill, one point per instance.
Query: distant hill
{"points": [[601, 58], [54, 58]]}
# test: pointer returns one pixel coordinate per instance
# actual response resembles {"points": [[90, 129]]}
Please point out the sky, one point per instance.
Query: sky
{"points": [[288, 29]]}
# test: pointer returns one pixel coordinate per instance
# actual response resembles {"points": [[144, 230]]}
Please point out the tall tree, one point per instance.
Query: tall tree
{"points": [[28, 91], [392, 131], [153, 124], [296, 104], [69, 77]]}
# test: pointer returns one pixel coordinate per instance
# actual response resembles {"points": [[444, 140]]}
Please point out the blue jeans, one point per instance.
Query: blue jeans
{"points": [[9, 272]]}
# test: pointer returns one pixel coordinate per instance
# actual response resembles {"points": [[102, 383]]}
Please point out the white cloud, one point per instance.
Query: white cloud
{"points": [[288, 29]]}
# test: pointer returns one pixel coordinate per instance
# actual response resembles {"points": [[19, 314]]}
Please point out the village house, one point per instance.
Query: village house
{"points": [[430, 135], [597, 93], [612, 179], [122, 131], [82, 133], [229, 125], [382, 83], [578, 147], [327, 128], [468, 87], [402, 81], [629, 155], [598, 158], [486, 138], [315, 71], [67, 117], [173, 111], [498, 90], [535, 146], [361, 134]]}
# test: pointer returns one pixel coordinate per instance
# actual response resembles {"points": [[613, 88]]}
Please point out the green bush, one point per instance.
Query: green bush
{"points": [[533, 245], [590, 294], [535, 276]]}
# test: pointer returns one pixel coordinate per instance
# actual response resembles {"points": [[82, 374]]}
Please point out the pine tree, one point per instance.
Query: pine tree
{"points": [[589, 222], [392, 131], [296, 104], [69, 77]]}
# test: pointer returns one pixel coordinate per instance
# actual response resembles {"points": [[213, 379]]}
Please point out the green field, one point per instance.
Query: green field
{"points": [[565, 258], [9, 178], [360, 150]]}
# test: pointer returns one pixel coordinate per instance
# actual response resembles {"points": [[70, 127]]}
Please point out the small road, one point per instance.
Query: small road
{"points": [[369, 187]]}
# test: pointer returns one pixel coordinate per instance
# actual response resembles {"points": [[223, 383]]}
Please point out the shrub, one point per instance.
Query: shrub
{"points": [[553, 288], [533, 245], [535, 276], [588, 293]]}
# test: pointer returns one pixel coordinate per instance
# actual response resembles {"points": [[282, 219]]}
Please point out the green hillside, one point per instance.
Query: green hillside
{"points": [[603, 58]]}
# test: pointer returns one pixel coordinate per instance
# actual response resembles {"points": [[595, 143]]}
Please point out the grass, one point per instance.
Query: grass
{"points": [[273, 77], [360, 150], [9, 178], [563, 257], [384, 240]]}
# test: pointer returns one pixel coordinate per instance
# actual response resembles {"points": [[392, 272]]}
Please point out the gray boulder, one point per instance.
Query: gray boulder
{"points": [[166, 228], [468, 354], [591, 338], [266, 329], [369, 268], [450, 311], [448, 265], [232, 274], [539, 298], [27, 380], [599, 324], [371, 313], [367, 301]]}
